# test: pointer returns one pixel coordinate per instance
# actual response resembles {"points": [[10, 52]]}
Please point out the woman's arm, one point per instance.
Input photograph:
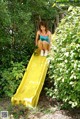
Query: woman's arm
{"points": [[37, 36]]}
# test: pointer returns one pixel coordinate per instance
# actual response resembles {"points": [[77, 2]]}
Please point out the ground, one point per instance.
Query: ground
{"points": [[46, 109]]}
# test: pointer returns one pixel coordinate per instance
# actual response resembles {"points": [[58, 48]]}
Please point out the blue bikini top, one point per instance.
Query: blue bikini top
{"points": [[44, 38]]}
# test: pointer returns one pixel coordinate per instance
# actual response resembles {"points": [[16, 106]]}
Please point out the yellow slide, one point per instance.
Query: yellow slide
{"points": [[30, 87]]}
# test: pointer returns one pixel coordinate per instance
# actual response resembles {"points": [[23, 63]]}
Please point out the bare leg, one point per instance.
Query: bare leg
{"points": [[46, 47], [40, 45]]}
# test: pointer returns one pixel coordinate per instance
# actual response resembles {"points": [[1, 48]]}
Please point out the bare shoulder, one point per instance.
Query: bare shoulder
{"points": [[49, 33], [38, 32]]}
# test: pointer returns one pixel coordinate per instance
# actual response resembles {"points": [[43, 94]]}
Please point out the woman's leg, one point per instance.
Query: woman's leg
{"points": [[46, 47], [40, 46]]}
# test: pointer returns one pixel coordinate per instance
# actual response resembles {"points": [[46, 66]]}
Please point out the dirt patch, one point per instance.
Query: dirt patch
{"points": [[44, 110]]}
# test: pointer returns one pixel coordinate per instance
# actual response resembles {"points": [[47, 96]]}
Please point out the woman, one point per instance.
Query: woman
{"points": [[43, 39]]}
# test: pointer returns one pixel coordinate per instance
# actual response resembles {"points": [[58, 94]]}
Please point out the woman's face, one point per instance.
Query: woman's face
{"points": [[43, 28]]}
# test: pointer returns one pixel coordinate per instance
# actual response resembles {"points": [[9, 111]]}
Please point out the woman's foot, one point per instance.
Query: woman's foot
{"points": [[46, 53], [42, 53]]}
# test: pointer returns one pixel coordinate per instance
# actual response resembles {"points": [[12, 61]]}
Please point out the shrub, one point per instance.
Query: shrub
{"points": [[65, 64], [10, 78]]}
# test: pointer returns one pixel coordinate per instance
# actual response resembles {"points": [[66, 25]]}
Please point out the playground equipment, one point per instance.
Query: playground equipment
{"points": [[31, 85]]}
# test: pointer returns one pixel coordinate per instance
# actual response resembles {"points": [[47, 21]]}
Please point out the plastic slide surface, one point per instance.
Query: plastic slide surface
{"points": [[31, 85]]}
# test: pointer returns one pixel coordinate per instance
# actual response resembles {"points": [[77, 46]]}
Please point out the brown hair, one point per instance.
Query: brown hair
{"points": [[42, 23]]}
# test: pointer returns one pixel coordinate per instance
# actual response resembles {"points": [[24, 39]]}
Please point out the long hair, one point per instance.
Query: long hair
{"points": [[42, 23]]}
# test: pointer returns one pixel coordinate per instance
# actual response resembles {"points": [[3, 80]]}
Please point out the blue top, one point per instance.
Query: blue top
{"points": [[44, 38]]}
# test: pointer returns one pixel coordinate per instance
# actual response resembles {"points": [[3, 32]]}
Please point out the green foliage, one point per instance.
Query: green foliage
{"points": [[68, 1], [42, 8], [16, 46], [17, 34], [4, 23], [65, 64], [10, 78]]}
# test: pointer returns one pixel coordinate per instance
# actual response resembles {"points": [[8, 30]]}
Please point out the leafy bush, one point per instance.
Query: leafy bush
{"points": [[10, 78], [65, 64]]}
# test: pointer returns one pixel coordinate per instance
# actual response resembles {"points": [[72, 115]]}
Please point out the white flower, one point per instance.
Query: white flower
{"points": [[73, 104], [79, 65], [63, 80], [55, 90], [58, 79], [71, 83], [66, 61], [73, 76], [75, 65], [63, 49], [72, 55], [71, 52], [78, 45], [54, 47], [66, 54], [10, 31], [65, 99], [70, 102]]}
